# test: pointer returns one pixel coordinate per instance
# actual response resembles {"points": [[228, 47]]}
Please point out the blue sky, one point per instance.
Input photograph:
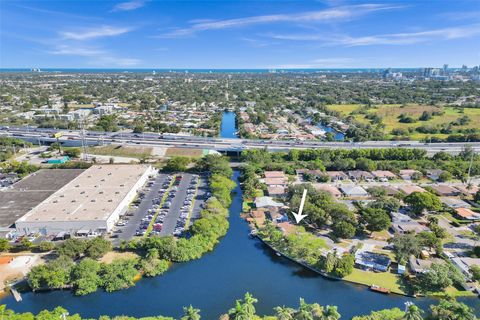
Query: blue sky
{"points": [[239, 34]]}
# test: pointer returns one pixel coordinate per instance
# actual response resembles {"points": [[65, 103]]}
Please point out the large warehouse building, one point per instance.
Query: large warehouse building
{"points": [[20, 198], [92, 202]]}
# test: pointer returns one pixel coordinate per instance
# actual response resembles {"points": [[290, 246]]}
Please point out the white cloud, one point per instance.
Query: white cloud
{"points": [[92, 33], [258, 43], [77, 51], [327, 15], [129, 5], [97, 57], [461, 15], [386, 39]]}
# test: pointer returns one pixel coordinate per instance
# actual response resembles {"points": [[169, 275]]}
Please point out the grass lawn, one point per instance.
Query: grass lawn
{"points": [[121, 151], [113, 255], [383, 279], [183, 152], [454, 292], [344, 109], [382, 235], [390, 113]]}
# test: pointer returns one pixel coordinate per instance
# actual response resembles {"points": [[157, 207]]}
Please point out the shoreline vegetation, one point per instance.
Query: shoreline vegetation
{"points": [[76, 265], [299, 244], [244, 309]]}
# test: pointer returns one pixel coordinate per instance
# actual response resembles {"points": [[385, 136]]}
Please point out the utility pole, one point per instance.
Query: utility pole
{"points": [[82, 136], [470, 166]]}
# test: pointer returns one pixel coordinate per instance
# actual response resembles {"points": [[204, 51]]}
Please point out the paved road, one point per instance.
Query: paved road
{"points": [[223, 144], [460, 241], [133, 223]]}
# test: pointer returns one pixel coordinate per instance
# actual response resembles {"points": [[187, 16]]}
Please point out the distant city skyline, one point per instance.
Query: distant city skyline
{"points": [[239, 34]]}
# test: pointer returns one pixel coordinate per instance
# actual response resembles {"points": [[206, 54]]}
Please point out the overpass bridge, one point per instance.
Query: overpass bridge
{"points": [[74, 138]]}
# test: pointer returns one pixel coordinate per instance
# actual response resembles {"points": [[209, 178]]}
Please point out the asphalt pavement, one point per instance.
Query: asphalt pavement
{"points": [[128, 231], [199, 199], [173, 215], [139, 213]]}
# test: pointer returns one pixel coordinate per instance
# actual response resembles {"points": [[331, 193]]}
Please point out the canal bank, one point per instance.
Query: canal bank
{"points": [[237, 265]]}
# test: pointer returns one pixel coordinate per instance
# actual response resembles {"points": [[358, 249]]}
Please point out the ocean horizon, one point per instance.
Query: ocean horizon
{"points": [[201, 70]]}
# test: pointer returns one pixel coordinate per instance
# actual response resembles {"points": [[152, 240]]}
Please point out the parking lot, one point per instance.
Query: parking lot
{"points": [[140, 207], [165, 205], [179, 208]]}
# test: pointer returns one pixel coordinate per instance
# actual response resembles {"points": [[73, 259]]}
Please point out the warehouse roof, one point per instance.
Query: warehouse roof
{"points": [[24, 195], [93, 195]]}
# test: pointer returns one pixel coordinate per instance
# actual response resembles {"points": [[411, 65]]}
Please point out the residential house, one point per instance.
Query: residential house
{"points": [[408, 189], [444, 190], [389, 190], [277, 214], [276, 192], [403, 227], [372, 261], [353, 191], [400, 217], [434, 174], [328, 188], [275, 182], [466, 190], [357, 175], [408, 174], [257, 216], [466, 213], [261, 202], [315, 173], [337, 175], [274, 174], [454, 203], [418, 265], [383, 175]]}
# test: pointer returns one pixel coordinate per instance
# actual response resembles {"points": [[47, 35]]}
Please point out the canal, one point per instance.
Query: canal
{"points": [[237, 265], [229, 126]]}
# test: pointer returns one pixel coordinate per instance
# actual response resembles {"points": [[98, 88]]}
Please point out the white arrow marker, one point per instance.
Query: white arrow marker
{"points": [[299, 216]]}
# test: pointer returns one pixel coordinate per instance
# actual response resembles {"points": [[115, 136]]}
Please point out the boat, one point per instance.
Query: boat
{"points": [[376, 288], [278, 254]]}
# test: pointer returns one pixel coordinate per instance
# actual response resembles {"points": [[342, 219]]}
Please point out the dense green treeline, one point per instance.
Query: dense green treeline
{"points": [[8, 148], [244, 309], [76, 264]]}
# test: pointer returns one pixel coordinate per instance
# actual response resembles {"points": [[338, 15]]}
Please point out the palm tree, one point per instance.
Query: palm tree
{"points": [[304, 311], [413, 312], [331, 313], [238, 313], [248, 302], [190, 313], [316, 311], [284, 313]]}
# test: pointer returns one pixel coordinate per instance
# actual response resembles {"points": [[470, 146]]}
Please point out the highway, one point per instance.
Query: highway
{"points": [[73, 137]]}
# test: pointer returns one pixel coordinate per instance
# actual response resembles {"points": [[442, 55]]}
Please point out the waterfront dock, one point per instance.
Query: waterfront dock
{"points": [[16, 294]]}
